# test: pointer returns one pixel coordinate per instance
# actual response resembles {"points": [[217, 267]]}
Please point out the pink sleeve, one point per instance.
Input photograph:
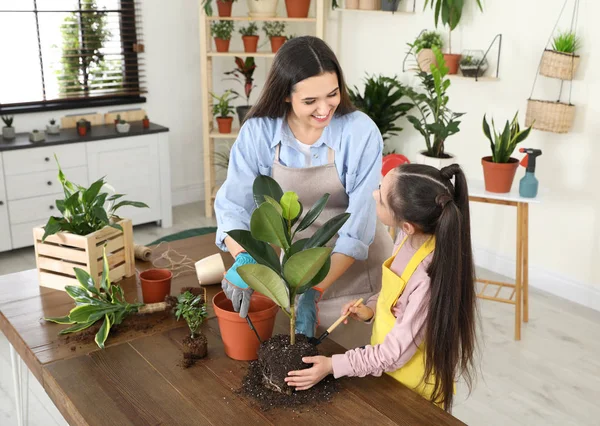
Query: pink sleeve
{"points": [[397, 348]]}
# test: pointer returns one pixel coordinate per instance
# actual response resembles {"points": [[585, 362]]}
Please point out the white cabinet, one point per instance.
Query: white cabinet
{"points": [[5, 238]]}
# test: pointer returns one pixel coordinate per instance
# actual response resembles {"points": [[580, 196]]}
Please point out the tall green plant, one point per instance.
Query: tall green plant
{"points": [[449, 12], [435, 121], [83, 209], [382, 101], [503, 144], [305, 263]]}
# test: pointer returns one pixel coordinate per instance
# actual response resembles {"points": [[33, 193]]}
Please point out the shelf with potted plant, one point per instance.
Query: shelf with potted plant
{"points": [[383, 6], [223, 26]]}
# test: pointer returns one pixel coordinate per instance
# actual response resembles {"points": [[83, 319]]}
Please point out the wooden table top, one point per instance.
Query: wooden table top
{"points": [[137, 379]]}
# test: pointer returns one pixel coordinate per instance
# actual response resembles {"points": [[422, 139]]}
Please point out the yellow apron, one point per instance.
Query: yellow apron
{"points": [[412, 373]]}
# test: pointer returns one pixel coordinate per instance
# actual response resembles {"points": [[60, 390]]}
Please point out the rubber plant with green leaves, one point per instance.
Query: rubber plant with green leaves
{"points": [[83, 209], [305, 262]]}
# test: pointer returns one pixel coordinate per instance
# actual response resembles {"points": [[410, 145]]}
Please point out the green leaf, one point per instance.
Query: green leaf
{"points": [[52, 227], [317, 279], [486, 129], [264, 280], [86, 280], [265, 185], [267, 225], [102, 334], [129, 203], [260, 251], [116, 226], [327, 231], [90, 194], [115, 197], [77, 327], [523, 135], [79, 294], [302, 267], [290, 205], [60, 320], [82, 313], [297, 247], [297, 217], [274, 203], [105, 280], [101, 214], [60, 205], [313, 213]]}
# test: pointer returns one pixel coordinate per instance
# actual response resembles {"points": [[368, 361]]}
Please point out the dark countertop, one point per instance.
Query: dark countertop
{"points": [[99, 132]]}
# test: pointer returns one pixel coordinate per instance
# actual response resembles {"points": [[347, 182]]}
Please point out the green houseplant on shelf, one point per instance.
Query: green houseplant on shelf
{"points": [[434, 121], [243, 75], [221, 31], [275, 30], [223, 7], [192, 308], [8, 131], [499, 169], [422, 47], [223, 110], [250, 37], [450, 13], [382, 102], [304, 263], [561, 61]]}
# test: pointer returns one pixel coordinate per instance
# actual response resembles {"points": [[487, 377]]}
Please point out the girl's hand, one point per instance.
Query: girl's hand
{"points": [[307, 378], [359, 313]]}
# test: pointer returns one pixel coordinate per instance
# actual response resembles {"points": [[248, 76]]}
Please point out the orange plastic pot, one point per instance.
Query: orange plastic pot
{"points": [[499, 177], [452, 62], [224, 8], [156, 285], [297, 8], [222, 45], [224, 124], [277, 42], [240, 342], [250, 43]]}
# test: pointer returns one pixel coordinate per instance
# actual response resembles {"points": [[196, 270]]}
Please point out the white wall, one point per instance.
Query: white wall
{"points": [[565, 228]]}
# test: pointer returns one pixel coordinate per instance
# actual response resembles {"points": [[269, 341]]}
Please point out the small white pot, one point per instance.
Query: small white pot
{"points": [[438, 163], [262, 8], [123, 128], [8, 133], [37, 137], [52, 129]]}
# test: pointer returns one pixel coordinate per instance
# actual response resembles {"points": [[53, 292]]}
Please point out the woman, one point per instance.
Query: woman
{"points": [[306, 134]]}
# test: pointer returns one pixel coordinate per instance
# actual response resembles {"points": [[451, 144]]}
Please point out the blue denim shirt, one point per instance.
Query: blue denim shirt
{"points": [[358, 147]]}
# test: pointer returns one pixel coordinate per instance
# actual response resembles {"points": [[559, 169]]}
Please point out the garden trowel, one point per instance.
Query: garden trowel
{"points": [[315, 341]]}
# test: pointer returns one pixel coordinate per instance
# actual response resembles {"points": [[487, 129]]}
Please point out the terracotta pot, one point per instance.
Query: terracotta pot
{"points": [[240, 342], [277, 42], [222, 45], [82, 130], [224, 124], [146, 123], [438, 163], [452, 62], [224, 8], [250, 43], [369, 4], [351, 4], [297, 8], [499, 177], [156, 285]]}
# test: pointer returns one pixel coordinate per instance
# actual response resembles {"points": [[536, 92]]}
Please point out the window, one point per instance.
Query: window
{"points": [[59, 54]]}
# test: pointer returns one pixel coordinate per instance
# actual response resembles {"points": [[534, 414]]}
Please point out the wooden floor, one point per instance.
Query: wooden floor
{"points": [[550, 377]]}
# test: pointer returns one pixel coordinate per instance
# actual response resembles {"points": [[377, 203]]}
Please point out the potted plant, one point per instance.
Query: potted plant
{"points": [[8, 131], [450, 13], [223, 7], [275, 30], [243, 75], [36, 136], [52, 128], [422, 48], [382, 101], [250, 37], [82, 127], [435, 121], [561, 61], [304, 263], [223, 110], [221, 31], [77, 235], [499, 169], [117, 119], [123, 126], [297, 8], [262, 8], [473, 64], [146, 122], [193, 310]]}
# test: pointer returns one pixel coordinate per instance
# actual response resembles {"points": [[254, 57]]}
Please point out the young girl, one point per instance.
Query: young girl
{"points": [[424, 316]]}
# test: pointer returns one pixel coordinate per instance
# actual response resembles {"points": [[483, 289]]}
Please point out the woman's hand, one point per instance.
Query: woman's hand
{"points": [[307, 378], [359, 313]]}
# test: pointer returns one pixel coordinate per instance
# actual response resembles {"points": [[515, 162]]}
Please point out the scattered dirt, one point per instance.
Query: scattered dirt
{"points": [[73, 348], [194, 349]]}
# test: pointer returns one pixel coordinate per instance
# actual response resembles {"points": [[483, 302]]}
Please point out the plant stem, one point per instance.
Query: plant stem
{"points": [[292, 326]]}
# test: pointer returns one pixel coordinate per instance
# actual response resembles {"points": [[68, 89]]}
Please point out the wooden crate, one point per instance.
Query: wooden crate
{"points": [[70, 121], [60, 253]]}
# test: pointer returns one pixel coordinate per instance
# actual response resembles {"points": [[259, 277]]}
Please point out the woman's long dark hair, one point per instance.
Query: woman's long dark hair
{"points": [[298, 59], [425, 197]]}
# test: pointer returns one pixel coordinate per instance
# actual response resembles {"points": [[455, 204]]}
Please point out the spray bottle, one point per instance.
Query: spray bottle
{"points": [[528, 186]]}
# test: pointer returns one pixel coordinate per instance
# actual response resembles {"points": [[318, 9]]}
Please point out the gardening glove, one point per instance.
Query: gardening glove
{"points": [[234, 286], [307, 312]]}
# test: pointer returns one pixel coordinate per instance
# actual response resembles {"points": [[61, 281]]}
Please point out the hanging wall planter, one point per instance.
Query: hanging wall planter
{"points": [[559, 64], [550, 116]]}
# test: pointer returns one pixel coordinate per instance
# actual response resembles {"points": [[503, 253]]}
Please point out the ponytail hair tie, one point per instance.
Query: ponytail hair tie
{"points": [[443, 199]]}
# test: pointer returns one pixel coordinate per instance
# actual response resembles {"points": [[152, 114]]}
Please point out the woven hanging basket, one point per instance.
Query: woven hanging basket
{"points": [[549, 116], [559, 65]]}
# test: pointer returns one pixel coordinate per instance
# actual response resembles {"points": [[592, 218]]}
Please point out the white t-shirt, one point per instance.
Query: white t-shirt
{"points": [[305, 149]]}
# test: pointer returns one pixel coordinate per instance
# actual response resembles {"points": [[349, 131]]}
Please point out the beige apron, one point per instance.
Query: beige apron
{"points": [[363, 278]]}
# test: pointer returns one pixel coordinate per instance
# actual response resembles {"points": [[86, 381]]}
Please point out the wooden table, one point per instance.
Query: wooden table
{"points": [[136, 379], [520, 289]]}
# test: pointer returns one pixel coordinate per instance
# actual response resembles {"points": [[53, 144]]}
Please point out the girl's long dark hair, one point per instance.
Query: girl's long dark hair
{"points": [[426, 197], [298, 59]]}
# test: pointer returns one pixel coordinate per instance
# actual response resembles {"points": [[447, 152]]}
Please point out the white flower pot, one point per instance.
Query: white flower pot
{"points": [[123, 128], [8, 133], [37, 136], [262, 8], [438, 163], [52, 129]]}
